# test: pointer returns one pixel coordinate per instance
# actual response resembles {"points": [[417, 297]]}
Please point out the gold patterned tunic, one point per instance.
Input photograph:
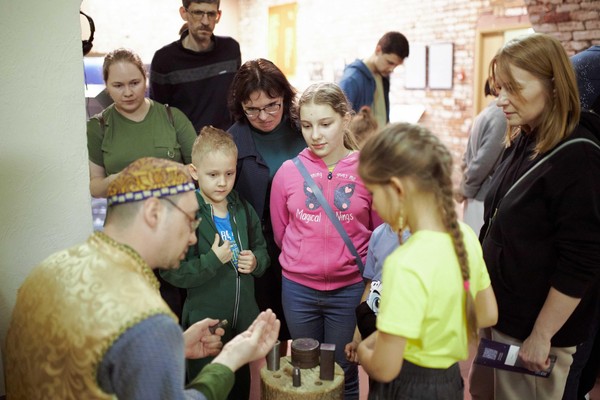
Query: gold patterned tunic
{"points": [[69, 311]]}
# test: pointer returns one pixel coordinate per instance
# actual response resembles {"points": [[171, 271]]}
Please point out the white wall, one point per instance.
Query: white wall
{"points": [[44, 201]]}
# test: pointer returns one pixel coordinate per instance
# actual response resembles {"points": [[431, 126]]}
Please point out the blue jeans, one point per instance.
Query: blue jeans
{"points": [[327, 316]]}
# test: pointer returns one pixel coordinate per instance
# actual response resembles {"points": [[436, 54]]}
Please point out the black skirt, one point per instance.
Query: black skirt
{"points": [[415, 383]]}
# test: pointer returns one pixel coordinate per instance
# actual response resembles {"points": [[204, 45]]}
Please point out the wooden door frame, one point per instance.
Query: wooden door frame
{"points": [[478, 79]]}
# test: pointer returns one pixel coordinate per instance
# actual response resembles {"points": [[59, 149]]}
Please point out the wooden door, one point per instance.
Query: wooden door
{"points": [[487, 43]]}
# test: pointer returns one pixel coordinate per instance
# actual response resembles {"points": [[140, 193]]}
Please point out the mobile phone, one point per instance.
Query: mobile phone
{"points": [[221, 324]]}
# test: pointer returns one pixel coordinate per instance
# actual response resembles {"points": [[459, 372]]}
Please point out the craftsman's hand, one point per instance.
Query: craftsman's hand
{"points": [[252, 344], [199, 342]]}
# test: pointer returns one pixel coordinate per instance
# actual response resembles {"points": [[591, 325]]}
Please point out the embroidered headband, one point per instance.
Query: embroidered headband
{"points": [[149, 177]]}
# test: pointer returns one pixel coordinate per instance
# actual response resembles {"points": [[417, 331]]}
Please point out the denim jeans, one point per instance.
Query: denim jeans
{"points": [[327, 316]]}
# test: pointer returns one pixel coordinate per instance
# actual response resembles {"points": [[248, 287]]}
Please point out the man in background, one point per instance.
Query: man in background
{"points": [[367, 82], [194, 73]]}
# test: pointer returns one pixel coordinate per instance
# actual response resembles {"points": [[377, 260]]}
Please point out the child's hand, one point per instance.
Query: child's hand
{"points": [[246, 262], [350, 351], [223, 252]]}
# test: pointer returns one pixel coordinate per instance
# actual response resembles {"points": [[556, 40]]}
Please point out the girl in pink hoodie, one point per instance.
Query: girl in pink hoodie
{"points": [[322, 283]]}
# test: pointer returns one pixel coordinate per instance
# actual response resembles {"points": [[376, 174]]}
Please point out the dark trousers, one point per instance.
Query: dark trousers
{"points": [[267, 288], [591, 371], [173, 296], [586, 362]]}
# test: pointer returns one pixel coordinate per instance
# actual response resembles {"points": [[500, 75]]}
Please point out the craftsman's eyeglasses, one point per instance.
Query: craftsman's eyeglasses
{"points": [[199, 14], [194, 222], [270, 109]]}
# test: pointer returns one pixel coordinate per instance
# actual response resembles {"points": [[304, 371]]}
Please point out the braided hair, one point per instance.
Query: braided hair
{"points": [[406, 150]]}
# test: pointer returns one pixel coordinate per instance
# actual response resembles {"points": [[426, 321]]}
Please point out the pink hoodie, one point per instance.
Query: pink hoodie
{"points": [[313, 253]]}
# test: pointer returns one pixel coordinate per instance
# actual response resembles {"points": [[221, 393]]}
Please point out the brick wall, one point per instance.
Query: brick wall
{"points": [[575, 23], [334, 32]]}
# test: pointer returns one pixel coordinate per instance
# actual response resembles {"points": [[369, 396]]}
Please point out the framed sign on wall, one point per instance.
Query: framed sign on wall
{"points": [[415, 67], [441, 65]]}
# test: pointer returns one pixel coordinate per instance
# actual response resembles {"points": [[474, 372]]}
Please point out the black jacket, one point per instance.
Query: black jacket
{"points": [[545, 233]]}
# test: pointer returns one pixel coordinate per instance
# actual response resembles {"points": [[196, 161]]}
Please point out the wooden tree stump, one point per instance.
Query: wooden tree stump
{"points": [[277, 385]]}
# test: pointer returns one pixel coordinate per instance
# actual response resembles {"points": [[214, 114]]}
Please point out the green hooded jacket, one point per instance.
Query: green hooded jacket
{"points": [[214, 289]]}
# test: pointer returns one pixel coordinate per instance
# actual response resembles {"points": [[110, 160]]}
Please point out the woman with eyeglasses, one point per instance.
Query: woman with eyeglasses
{"points": [[260, 102]]}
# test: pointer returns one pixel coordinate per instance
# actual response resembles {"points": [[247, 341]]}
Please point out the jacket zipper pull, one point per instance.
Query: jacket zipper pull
{"points": [[329, 175], [490, 222]]}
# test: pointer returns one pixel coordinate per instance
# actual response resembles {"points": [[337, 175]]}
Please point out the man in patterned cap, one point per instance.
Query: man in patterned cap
{"points": [[89, 322]]}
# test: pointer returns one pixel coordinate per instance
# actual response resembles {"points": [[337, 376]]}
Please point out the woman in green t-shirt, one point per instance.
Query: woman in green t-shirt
{"points": [[133, 126]]}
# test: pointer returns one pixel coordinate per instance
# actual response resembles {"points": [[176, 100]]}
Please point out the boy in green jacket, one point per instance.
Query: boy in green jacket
{"points": [[219, 271]]}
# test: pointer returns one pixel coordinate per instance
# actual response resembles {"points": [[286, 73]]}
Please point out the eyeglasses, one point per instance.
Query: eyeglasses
{"points": [[270, 109], [199, 14], [194, 222]]}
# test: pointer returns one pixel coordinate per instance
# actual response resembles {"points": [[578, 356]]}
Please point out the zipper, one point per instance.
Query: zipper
{"points": [[237, 274], [239, 243], [327, 230], [490, 221], [236, 305]]}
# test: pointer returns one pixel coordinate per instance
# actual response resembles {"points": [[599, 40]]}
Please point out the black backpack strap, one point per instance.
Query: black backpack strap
{"points": [[102, 121], [170, 115]]}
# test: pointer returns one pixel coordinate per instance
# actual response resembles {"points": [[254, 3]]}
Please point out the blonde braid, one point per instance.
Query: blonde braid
{"points": [[410, 150], [446, 202]]}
